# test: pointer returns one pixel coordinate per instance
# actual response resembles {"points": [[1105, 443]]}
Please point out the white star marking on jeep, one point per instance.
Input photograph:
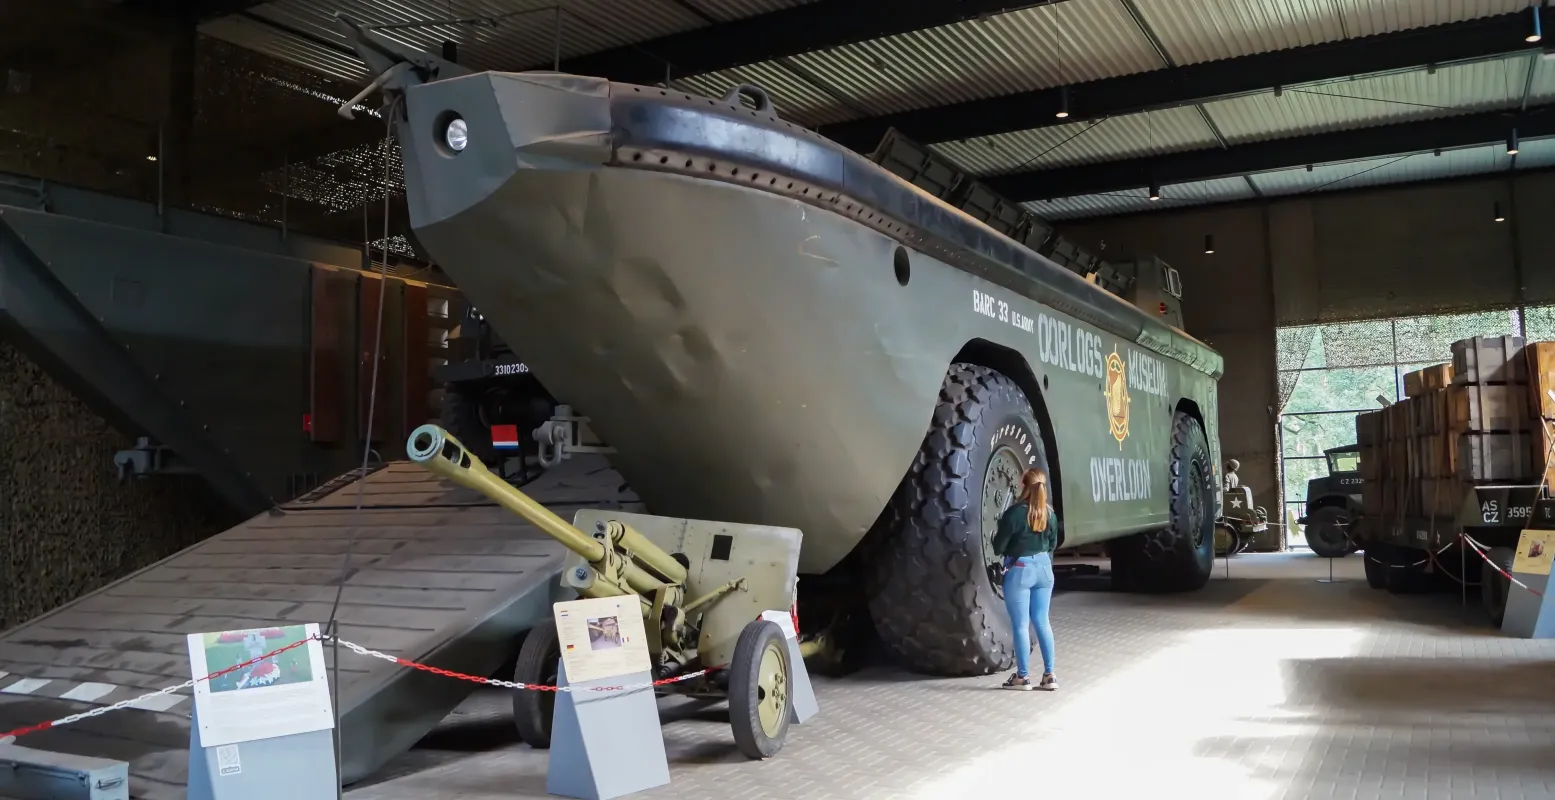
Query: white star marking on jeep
{"points": [[1236, 502]]}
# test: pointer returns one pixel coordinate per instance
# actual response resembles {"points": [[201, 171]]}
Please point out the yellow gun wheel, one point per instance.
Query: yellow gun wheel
{"points": [[760, 702]]}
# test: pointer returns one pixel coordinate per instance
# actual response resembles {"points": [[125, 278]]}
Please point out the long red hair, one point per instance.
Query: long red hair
{"points": [[1033, 492]]}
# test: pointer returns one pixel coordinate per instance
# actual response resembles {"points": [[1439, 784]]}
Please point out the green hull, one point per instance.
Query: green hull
{"points": [[756, 353]]}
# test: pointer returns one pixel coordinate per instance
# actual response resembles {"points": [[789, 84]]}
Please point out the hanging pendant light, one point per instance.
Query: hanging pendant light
{"points": [[1536, 30], [1063, 102], [1511, 143], [1155, 191], [1499, 217], [1209, 244]]}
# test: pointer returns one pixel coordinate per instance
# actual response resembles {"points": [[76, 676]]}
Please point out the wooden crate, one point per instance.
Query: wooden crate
{"points": [[1488, 359], [1437, 377], [1494, 457], [1436, 456], [1480, 408], [1368, 428], [1371, 496], [1443, 496], [1422, 381], [1370, 462], [1541, 377], [1544, 453]]}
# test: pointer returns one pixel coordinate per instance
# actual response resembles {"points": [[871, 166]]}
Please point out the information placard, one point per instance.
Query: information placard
{"points": [[1535, 550], [602, 637], [279, 695]]}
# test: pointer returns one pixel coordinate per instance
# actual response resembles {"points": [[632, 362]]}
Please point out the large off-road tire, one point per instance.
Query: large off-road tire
{"points": [[1179, 557], [1328, 532], [1406, 574], [760, 690], [537, 660], [1494, 588], [930, 593], [460, 415]]}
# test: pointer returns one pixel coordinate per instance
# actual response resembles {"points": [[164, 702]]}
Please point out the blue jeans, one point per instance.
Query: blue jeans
{"points": [[1028, 591]]}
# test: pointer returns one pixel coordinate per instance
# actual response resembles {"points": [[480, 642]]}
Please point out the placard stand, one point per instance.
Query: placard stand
{"points": [[1529, 615], [299, 767], [803, 704], [605, 744]]}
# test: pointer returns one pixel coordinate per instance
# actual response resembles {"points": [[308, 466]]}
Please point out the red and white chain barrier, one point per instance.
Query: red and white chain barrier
{"points": [[405, 662], [7, 737], [1483, 553]]}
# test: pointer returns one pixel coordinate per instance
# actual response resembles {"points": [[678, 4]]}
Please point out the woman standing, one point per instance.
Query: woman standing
{"points": [[1028, 535]]}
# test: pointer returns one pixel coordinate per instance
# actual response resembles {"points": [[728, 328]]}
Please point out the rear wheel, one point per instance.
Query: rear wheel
{"points": [[538, 657], [1407, 572], [1377, 557], [1179, 557], [1328, 532], [760, 699], [929, 588]]}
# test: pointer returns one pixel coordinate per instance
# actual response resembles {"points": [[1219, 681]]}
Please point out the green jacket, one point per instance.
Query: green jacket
{"points": [[1016, 539]]}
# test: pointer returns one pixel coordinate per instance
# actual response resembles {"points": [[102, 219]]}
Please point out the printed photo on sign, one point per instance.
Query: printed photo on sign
{"points": [[604, 633], [226, 650]]}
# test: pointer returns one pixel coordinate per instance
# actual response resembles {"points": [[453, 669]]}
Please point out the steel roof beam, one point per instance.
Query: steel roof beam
{"points": [[1474, 40], [779, 34], [1237, 160]]}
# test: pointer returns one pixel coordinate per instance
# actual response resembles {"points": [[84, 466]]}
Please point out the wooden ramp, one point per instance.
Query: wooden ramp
{"points": [[438, 574]]}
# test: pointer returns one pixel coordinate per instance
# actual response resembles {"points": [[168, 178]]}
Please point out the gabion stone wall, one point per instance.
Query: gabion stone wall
{"points": [[67, 526]]}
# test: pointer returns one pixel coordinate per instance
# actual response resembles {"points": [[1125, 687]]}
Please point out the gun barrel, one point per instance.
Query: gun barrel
{"points": [[440, 453]]}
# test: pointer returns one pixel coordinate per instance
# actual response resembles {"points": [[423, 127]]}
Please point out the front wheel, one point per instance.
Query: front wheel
{"points": [[760, 699], [1328, 532], [537, 659], [930, 592]]}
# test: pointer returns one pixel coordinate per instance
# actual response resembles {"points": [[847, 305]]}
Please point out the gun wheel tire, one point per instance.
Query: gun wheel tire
{"points": [[1495, 588], [760, 684], [1179, 557], [930, 594], [1328, 532], [537, 660]]}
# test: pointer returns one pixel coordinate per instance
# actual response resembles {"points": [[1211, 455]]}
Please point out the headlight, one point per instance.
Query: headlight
{"points": [[457, 135]]}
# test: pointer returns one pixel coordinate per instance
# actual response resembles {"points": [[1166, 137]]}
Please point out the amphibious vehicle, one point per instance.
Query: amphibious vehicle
{"points": [[771, 329]]}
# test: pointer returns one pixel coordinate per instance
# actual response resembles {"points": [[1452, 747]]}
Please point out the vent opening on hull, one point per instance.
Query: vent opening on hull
{"points": [[903, 265]]}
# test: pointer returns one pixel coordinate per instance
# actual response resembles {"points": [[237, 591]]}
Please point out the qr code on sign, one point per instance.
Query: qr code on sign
{"points": [[227, 761]]}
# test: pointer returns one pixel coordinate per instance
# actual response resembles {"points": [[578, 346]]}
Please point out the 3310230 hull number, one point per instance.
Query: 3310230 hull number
{"points": [[511, 369]]}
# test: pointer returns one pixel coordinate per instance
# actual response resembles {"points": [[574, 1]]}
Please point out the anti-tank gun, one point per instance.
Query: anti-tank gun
{"points": [[702, 588]]}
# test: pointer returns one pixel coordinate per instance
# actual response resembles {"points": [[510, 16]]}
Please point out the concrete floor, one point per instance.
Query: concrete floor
{"points": [[1265, 685]]}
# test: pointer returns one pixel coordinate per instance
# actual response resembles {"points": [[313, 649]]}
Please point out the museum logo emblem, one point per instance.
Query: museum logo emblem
{"points": [[1116, 392]]}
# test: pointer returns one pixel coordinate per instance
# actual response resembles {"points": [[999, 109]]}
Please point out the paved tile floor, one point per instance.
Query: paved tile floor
{"points": [[1268, 684]]}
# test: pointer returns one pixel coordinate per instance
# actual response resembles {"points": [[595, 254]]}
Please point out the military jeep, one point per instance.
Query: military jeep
{"points": [[1334, 503]]}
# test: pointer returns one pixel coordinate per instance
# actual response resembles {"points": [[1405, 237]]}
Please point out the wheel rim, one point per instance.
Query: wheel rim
{"points": [[1001, 485], [1330, 531], [771, 690], [1196, 501]]}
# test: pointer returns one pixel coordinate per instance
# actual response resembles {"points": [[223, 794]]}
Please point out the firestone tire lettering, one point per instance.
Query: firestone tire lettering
{"points": [[929, 591], [1168, 560]]}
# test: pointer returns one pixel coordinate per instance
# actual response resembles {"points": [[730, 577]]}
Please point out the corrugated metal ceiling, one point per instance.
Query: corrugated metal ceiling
{"points": [[1383, 100], [1130, 136], [1070, 42], [1034, 48], [1533, 154], [1175, 195], [1217, 29]]}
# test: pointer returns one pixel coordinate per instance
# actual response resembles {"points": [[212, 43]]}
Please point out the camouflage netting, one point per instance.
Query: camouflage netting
{"points": [[67, 526]]}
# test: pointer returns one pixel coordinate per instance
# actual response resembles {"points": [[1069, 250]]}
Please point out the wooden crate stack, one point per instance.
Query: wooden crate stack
{"points": [[1460, 424], [1540, 357]]}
